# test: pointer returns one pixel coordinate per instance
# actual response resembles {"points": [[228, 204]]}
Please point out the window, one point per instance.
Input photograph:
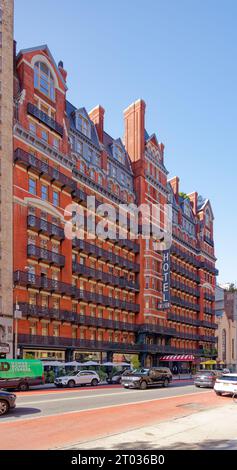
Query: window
{"points": [[79, 147], [100, 181], [45, 329], [56, 143], [55, 198], [83, 125], [43, 80], [118, 154], [90, 154], [44, 135], [55, 330], [33, 328], [44, 192], [32, 186], [32, 127]]}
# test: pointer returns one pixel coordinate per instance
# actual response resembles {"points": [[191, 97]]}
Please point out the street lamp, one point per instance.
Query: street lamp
{"points": [[17, 316]]}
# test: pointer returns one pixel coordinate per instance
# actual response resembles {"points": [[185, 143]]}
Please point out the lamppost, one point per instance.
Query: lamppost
{"points": [[17, 316]]}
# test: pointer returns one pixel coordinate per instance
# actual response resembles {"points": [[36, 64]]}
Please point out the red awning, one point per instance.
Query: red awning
{"points": [[183, 357]]}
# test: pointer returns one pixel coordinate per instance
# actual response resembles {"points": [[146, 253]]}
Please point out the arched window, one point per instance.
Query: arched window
{"points": [[224, 345], [43, 80]]}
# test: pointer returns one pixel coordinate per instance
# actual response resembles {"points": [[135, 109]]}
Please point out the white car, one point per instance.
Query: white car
{"points": [[226, 383], [82, 377]]}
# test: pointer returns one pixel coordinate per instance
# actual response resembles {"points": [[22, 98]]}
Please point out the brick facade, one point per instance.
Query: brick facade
{"points": [[99, 298]]}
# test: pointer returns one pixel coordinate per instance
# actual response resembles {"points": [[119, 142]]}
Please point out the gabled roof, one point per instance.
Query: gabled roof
{"points": [[44, 48], [71, 110], [108, 142], [202, 204]]}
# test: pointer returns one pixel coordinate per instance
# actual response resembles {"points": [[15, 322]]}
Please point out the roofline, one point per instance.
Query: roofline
{"points": [[42, 47]]}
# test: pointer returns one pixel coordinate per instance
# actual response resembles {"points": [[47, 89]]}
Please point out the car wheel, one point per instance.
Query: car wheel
{"points": [[23, 387], [143, 385], [94, 382], [71, 384], [198, 386], [4, 407], [218, 393], [166, 383]]}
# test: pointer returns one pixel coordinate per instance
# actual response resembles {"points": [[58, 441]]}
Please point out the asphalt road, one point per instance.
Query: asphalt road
{"points": [[34, 404]]}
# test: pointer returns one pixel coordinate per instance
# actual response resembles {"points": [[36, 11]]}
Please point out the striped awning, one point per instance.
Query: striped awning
{"points": [[179, 357]]}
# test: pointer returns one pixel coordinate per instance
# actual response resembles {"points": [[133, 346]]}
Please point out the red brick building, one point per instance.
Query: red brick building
{"points": [[100, 298]]}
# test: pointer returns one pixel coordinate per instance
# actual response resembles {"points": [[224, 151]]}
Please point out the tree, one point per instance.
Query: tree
{"points": [[135, 362]]}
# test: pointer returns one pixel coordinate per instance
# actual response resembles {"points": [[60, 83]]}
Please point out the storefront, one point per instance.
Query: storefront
{"points": [[180, 364], [44, 354], [4, 350]]}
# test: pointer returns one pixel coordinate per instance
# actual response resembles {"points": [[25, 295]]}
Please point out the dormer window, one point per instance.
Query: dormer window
{"points": [[43, 80], [118, 154], [83, 125]]}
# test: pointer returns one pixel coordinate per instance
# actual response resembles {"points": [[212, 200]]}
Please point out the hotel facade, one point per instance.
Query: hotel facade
{"points": [[100, 299]]}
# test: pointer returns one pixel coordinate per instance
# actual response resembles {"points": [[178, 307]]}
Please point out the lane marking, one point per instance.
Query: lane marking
{"points": [[102, 395], [33, 418]]}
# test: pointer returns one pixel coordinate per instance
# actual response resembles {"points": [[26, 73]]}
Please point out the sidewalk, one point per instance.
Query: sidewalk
{"points": [[204, 430]]}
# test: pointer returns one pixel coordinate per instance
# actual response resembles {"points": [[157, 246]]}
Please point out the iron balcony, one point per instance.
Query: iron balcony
{"points": [[43, 169], [51, 285], [41, 254], [45, 227], [91, 249], [43, 117], [106, 278]]}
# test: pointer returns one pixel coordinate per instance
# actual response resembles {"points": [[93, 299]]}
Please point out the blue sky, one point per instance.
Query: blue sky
{"points": [[180, 57]]}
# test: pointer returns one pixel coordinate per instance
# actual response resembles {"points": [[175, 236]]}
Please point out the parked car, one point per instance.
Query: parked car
{"points": [[144, 378], [20, 374], [226, 383], [205, 378], [7, 402], [117, 376], [82, 377]]}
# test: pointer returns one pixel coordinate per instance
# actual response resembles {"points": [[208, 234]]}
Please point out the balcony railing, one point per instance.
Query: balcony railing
{"points": [[209, 324], [38, 311], [185, 272], [42, 168], [189, 290], [157, 329], [92, 249], [185, 303], [208, 310], [208, 240], [43, 283], [43, 226], [183, 319], [211, 339], [208, 296], [106, 278], [42, 254], [94, 345], [184, 255], [43, 117], [209, 267]]}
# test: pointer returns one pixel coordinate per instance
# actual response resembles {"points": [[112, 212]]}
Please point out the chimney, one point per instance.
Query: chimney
{"points": [[175, 186], [62, 70], [194, 198], [134, 136], [97, 117]]}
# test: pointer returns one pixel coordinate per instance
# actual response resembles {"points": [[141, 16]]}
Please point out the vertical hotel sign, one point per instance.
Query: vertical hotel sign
{"points": [[165, 304]]}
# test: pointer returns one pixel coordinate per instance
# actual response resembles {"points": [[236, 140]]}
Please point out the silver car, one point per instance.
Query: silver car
{"points": [[82, 377]]}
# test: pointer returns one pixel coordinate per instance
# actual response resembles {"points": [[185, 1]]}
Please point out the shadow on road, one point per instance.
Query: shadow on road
{"points": [[21, 411]]}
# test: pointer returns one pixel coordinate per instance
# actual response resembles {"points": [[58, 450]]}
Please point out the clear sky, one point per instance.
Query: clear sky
{"points": [[180, 57]]}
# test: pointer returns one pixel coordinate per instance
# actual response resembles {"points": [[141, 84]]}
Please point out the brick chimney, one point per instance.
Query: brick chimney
{"points": [[97, 117], [175, 186], [134, 135], [62, 70], [194, 198]]}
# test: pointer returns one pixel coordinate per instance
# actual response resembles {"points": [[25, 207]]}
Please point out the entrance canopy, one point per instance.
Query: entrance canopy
{"points": [[181, 358]]}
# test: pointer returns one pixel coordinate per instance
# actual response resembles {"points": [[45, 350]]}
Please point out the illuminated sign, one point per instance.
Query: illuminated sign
{"points": [[165, 303]]}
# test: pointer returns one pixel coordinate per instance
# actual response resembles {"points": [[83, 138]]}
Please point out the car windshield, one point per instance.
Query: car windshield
{"points": [[75, 372], [140, 371], [207, 372], [229, 378]]}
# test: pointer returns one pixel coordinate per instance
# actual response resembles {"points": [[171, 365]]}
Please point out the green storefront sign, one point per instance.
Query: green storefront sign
{"points": [[14, 368]]}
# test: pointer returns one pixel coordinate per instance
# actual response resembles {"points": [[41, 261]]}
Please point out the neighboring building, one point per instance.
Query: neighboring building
{"points": [[101, 299], [6, 186], [227, 328]]}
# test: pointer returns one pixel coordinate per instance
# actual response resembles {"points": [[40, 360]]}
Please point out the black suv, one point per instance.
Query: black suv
{"points": [[144, 378]]}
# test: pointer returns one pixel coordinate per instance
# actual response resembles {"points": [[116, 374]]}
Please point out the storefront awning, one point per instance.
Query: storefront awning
{"points": [[183, 357]]}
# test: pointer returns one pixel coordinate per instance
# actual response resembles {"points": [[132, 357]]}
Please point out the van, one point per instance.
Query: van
{"points": [[20, 374]]}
